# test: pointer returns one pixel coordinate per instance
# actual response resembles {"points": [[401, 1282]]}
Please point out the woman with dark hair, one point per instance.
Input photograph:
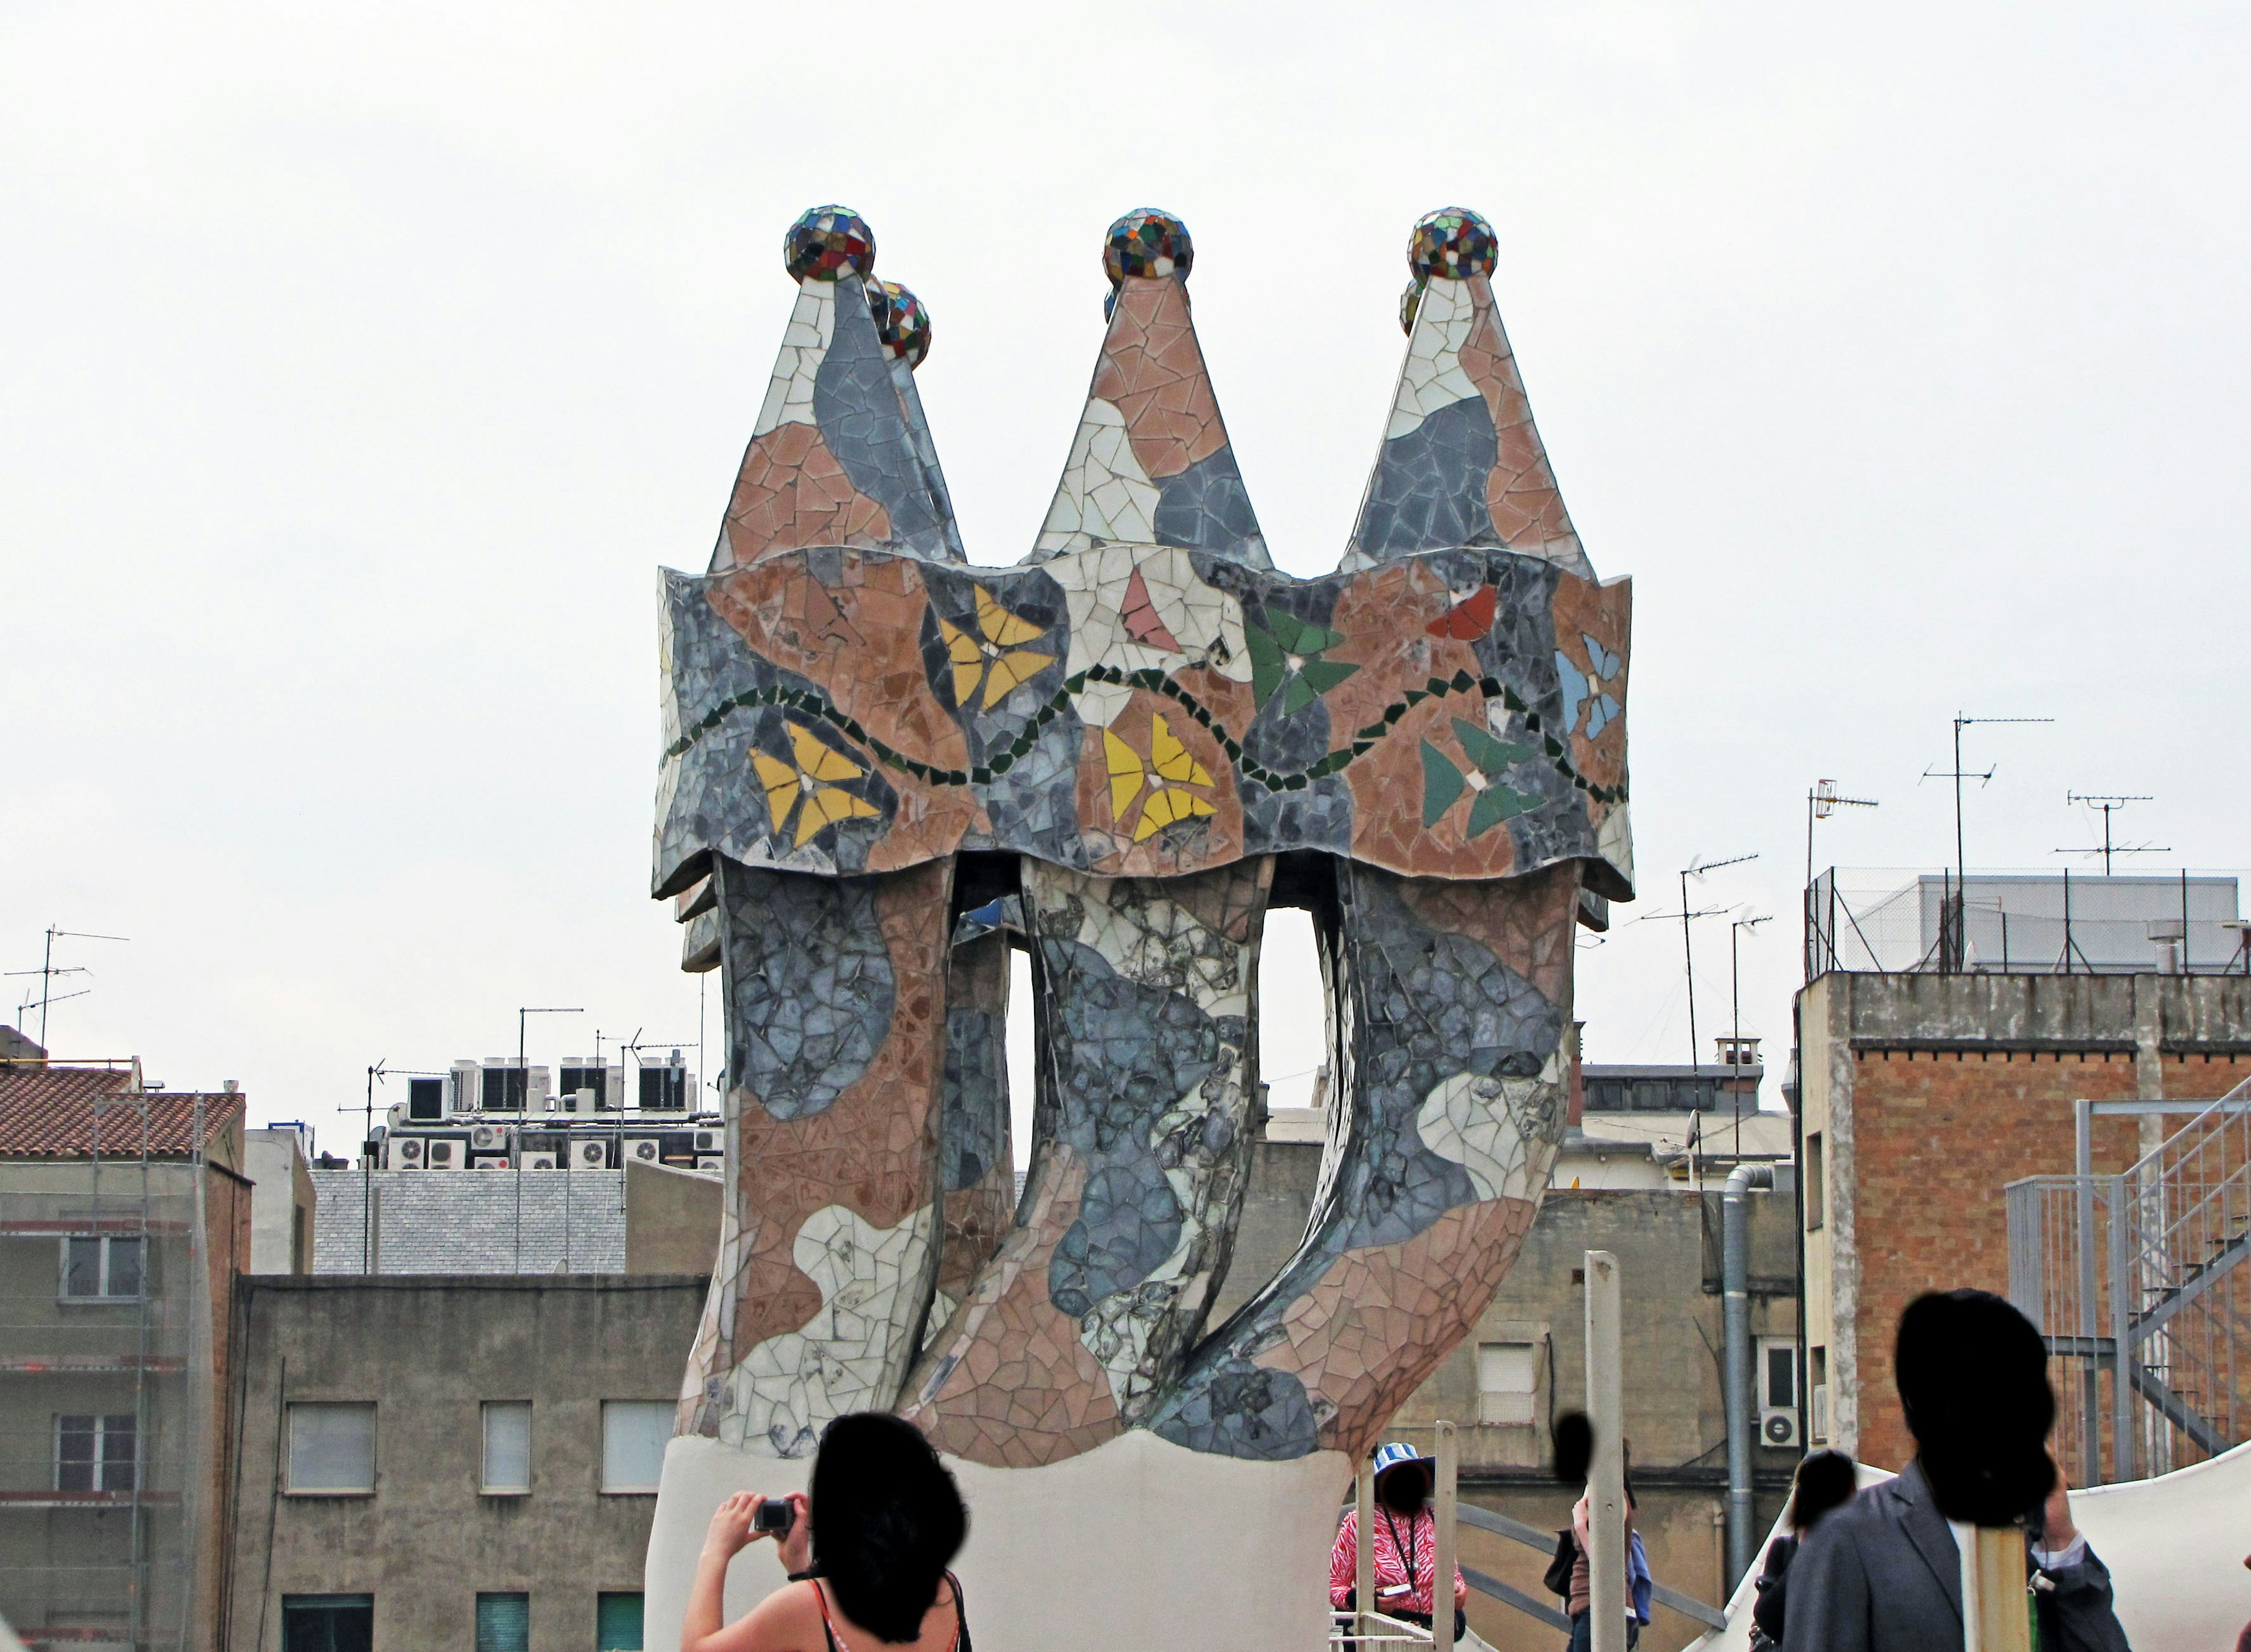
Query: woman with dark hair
{"points": [[1826, 1480], [867, 1553]]}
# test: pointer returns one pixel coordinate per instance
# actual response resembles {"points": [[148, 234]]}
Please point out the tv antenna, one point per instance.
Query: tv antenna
{"points": [[1951, 929], [1696, 868], [2110, 804], [1735, 928], [49, 969]]}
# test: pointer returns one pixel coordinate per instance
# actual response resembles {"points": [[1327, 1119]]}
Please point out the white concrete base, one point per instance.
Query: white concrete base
{"points": [[1135, 1544]]}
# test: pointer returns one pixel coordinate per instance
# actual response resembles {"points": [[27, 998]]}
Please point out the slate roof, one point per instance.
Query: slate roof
{"points": [[47, 1112]]}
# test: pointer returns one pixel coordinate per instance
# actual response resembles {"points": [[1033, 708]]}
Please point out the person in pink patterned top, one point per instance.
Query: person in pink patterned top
{"points": [[1405, 1541]]}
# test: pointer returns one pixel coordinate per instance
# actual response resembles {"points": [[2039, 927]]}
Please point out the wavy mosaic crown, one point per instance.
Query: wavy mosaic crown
{"points": [[842, 455], [1144, 694]]}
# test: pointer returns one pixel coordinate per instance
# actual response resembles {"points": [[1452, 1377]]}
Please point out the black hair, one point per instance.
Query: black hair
{"points": [[1973, 1378], [887, 1519], [1393, 1487], [1826, 1480]]}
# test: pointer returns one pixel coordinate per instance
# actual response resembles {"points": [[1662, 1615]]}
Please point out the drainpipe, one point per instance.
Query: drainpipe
{"points": [[1736, 1298]]}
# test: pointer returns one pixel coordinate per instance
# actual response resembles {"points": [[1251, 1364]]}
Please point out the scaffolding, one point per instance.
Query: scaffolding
{"points": [[2136, 1282], [106, 1385]]}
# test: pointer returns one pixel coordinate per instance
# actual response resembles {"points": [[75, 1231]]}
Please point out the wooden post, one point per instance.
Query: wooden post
{"points": [[1363, 1562], [1606, 1541], [1442, 1560], [1996, 1610]]}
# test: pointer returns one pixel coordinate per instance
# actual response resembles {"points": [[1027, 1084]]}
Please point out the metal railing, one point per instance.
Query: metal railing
{"points": [[1368, 1627], [2136, 1280], [2048, 921]]}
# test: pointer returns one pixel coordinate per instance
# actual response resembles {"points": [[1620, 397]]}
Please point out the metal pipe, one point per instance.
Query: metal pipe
{"points": [[2090, 1402], [1736, 1306], [1606, 1544]]}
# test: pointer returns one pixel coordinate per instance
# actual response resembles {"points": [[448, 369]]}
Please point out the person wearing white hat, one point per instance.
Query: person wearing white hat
{"points": [[1404, 1539]]}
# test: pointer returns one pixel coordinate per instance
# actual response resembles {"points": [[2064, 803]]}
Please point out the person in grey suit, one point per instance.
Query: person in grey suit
{"points": [[1883, 1574]]}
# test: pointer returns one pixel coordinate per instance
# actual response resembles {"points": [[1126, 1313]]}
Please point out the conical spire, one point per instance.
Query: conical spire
{"points": [[837, 458], [1151, 463], [1461, 463]]}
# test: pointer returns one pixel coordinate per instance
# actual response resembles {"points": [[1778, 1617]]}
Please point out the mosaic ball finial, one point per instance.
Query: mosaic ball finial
{"points": [[1148, 243], [827, 242], [1453, 243], [902, 323]]}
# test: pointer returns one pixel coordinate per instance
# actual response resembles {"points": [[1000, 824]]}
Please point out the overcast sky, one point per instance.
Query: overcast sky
{"points": [[357, 375]]}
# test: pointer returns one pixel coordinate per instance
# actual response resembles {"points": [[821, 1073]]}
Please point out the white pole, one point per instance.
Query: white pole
{"points": [[1442, 1560], [1363, 1565], [1606, 1475]]}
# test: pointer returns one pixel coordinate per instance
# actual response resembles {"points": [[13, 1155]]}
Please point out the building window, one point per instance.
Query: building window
{"points": [[503, 1622], [508, 1448], [328, 1622], [331, 1450], [95, 1454], [634, 1436], [1507, 1378], [1777, 1374], [1817, 1185], [100, 1269], [1816, 1393], [616, 1622]]}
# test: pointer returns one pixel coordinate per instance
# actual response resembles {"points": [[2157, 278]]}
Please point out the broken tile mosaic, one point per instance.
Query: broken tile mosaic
{"points": [[1105, 746]]}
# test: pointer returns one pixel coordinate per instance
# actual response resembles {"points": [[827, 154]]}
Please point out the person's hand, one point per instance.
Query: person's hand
{"points": [[796, 1542], [2057, 1530], [731, 1530], [1461, 1593]]}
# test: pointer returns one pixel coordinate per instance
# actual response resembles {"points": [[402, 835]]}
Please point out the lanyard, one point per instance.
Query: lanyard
{"points": [[1407, 1552]]}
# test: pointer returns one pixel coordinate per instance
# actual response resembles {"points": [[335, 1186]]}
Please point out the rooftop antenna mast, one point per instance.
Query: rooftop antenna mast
{"points": [[49, 969], [524, 1109], [1696, 868], [1735, 992], [1951, 937], [2110, 804], [1822, 800]]}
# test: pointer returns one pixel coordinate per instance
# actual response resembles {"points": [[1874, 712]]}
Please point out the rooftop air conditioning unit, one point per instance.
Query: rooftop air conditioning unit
{"points": [[710, 1141], [711, 1161], [396, 1113], [1778, 1427], [590, 1155], [489, 1161], [648, 1148], [442, 1155], [538, 1162], [485, 1138], [406, 1153]]}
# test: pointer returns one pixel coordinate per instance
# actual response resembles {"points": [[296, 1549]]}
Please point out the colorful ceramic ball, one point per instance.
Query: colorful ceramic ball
{"points": [[827, 242], [1453, 242], [1148, 243], [1409, 303], [902, 321]]}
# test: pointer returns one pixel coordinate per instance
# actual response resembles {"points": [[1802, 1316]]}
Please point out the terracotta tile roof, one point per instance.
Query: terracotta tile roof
{"points": [[48, 1112]]}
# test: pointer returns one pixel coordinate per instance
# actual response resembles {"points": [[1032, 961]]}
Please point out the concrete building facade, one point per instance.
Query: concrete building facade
{"points": [[451, 1462], [1923, 1094], [124, 1214]]}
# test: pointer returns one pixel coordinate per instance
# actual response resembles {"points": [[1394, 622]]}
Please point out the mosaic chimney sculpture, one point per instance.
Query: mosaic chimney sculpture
{"points": [[885, 767]]}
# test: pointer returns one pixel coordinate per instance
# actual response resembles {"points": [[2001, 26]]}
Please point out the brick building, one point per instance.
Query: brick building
{"points": [[1924, 1094]]}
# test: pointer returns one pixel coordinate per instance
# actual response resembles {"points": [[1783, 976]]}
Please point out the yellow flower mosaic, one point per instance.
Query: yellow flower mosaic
{"points": [[1170, 766], [993, 657], [810, 785]]}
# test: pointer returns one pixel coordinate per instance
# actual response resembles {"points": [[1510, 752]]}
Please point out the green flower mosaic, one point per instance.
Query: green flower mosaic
{"points": [[1444, 781], [1287, 655]]}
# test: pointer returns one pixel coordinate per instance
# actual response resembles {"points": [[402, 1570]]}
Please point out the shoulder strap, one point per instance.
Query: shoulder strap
{"points": [[827, 1626], [961, 1615]]}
